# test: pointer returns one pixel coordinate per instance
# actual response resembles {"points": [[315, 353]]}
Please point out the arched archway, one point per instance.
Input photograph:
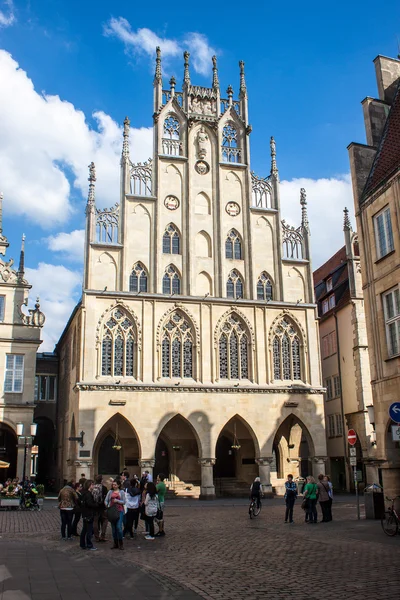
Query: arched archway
{"points": [[177, 453], [293, 449], [45, 442], [8, 450], [117, 446], [236, 451]]}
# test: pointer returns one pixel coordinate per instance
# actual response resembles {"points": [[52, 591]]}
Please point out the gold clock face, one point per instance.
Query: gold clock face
{"points": [[233, 209], [171, 202]]}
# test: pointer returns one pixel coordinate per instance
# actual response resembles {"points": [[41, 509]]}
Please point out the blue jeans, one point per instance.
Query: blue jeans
{"points": [[86, 534], [116, 527]]}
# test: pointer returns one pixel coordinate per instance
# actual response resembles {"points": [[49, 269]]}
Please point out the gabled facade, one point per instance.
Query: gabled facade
{"points": [[345, 361], [19, 341], [375, 169], [194, 349]]}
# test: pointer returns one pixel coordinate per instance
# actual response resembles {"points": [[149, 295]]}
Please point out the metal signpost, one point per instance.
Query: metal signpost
{"points": [[352, 439]]}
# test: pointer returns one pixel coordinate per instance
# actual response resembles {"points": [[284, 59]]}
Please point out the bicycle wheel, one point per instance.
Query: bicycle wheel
{"points": [[389, 524], [256, 510]]}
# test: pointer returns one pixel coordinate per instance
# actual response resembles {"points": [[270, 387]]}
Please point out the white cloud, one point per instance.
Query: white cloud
{"points": [[69, 244], [326, 199], [145, 41], [59, 290], [7, 18], [40, 135]]}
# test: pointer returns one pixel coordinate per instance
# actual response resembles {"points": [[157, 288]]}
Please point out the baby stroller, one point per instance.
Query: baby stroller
{"points": [[29, 499]]}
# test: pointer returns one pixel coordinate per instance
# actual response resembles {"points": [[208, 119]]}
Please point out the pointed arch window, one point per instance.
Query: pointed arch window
{"points": [[171, 281], [233, 245], [138, 279], [234, 285], [230, 151], [233, 350], [264, 287], [171, 136], [119, 348], [177, 347], [286, 352], [171, 240]]}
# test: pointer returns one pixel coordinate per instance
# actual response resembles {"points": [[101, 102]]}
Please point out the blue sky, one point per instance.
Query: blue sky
{"points": [[84, 65]]}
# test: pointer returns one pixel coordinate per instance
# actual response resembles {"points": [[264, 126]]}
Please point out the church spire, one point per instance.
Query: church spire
{"points": [[125, 143], [346, 220], [243, 89], [274, 168], [21, 267], [157, 75], [186, 75], [215, 82], [304, 215], [91, 195]]}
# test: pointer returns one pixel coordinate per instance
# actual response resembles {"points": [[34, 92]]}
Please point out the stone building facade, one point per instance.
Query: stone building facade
{"points": [[194, 350], [20, 331], [375, 170], [345, 361]]}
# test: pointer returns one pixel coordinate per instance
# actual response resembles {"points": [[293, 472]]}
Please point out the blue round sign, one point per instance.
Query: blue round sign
{"points": [[394, 412]]}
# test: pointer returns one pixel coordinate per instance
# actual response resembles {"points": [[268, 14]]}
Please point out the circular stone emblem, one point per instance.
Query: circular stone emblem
{"points": [[233, 209], [202, 167], [171, 202]]}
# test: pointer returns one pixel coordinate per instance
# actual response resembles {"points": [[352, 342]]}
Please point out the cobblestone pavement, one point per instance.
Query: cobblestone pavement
{"points": [[220, 554]]}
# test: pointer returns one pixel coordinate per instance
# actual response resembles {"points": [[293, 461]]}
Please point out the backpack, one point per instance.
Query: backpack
{"points": [[97, 493]]}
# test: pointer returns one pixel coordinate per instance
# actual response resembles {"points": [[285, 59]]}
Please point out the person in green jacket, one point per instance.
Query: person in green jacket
{"points": [[311, 494], [161, 491]]}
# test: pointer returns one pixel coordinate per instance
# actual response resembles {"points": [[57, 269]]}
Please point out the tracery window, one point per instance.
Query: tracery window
{"points": [[141, 175], [286, 352], [171, 134], [233, 245], [233, 350], [171, 240], [264, 287], [107, 221], [177, 347], [292, 242], [234, 285], [171, 281], [118, 349], [230, 151], [138, 279], [261, 192]]}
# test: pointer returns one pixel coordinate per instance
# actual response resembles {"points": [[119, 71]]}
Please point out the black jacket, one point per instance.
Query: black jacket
{"points": [[256, 488], [88, 505]]}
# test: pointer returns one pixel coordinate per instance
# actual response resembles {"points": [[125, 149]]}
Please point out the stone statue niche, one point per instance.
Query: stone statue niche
{"points": [[202, 139]]}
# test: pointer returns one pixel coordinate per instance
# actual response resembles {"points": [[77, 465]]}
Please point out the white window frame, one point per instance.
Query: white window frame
{"points": [[392, 320], [331, 426], [14, 384], [336, 386], [2, 308], [328, 385], [329, 284], [329, 347], [332, 301], [339, 425], [325, 306], [387, 237]]}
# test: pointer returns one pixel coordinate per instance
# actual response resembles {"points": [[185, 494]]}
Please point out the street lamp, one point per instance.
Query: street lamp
{"points": [[27, 441]]}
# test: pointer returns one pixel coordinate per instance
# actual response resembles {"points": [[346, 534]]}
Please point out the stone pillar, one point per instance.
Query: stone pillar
{"points": [[147, 464], [207, 490], [319, 465], [264, 471]]}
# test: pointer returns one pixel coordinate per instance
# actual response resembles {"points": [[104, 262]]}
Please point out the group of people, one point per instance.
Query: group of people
{"points": [[128, 500], [313, 492]]}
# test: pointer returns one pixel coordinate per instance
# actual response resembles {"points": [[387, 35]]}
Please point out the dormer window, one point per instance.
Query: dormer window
{"points": [[329, 284]]}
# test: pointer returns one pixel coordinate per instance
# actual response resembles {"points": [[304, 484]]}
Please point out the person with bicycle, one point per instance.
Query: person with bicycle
{"points": [[255, 491]]}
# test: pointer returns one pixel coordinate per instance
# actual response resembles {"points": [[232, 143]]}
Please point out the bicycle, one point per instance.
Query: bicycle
{"points": [[391, 520], [254, 510]]}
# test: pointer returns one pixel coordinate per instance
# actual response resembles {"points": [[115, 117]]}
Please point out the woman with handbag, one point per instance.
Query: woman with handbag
{"points": [[151, 507], [310, 499], [115, 501]]}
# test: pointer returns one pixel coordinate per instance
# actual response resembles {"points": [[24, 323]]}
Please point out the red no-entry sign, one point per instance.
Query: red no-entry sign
{"points": [[352, 437]]}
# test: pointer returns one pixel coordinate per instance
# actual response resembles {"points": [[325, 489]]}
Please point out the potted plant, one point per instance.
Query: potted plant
{"points": [[10, 499], [40, 491]]}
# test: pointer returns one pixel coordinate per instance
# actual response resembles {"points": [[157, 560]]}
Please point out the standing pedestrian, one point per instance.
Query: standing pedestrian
{"points": [[100, 523], [151, 507], [290, 498], [88, 507], [143, 481], [67, 500], [323, 497], [328, 479], [77, 510], [161, 491], [116, 498], [310, 494], [132, 497]]}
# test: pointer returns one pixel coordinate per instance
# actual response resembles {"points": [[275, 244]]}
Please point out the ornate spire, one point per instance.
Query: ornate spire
{"points": [[172, 83], [346, 220], [157, 75], [243, 89], [229, 91], [304, 215], [125, 143], [21, 268], [274, 168], [186, 76], [215, 83], [91, 195]]}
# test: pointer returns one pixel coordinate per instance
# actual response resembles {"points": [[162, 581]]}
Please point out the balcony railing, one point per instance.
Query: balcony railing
{"points": [[171, 147], [231, 155]]}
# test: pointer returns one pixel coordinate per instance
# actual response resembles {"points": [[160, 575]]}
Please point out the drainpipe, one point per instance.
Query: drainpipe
{"points": [[341, 405]]}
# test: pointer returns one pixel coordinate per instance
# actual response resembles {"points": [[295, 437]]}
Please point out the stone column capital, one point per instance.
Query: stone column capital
{"points": [[147, 463], [319, 459], [206, 462], [264, 461]]}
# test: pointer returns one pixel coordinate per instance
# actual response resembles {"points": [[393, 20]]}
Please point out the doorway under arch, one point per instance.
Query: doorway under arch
{"points": [[177, 452], [293, 449], [116, 447], [235, 466], [8, 451], [45, 463]]}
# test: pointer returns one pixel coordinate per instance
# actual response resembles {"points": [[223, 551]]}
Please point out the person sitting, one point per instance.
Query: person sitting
{"points": [[255, 491]]}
